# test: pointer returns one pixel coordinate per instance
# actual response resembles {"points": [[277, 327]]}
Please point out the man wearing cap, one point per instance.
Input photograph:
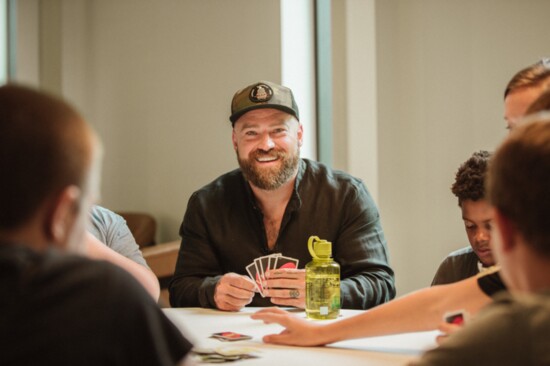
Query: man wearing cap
{"points": [[273, 204]]}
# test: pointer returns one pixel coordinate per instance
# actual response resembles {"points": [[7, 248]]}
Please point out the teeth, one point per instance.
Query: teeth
{"points": [[267, 158]]}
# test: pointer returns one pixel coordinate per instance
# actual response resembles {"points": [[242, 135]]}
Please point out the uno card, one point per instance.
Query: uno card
{"points": [[230, 336], [456, 317], [255, 276], [264, 265], [272, 261], [286, 262]]}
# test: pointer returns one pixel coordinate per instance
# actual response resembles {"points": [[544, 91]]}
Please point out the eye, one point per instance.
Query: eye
{"points": [[279, 131], [469, 226], [250, 133]]}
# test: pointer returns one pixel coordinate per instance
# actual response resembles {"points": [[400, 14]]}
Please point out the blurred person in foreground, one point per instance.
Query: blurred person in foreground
{"points": [[57, 306]]}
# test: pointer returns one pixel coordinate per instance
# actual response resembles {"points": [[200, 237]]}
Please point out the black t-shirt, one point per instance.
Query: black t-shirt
{"points": [[58, 309], [491, 283]]}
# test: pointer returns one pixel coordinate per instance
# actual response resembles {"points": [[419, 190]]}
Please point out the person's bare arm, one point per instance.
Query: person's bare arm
{"points": [[418, 311], [97, 250]]}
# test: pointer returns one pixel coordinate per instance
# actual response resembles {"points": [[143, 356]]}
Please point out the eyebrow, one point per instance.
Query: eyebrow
{"points": [[255, 124], [467, 219]]}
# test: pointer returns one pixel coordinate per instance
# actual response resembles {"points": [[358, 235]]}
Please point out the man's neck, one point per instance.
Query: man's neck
{"points": [[273, 202], [29, 235]]}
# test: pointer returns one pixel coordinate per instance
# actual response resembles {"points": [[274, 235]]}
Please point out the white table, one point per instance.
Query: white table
{"points": [[198, 324]]}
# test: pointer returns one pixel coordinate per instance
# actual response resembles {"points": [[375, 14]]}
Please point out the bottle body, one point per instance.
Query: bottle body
{"points": [[322, 289]]}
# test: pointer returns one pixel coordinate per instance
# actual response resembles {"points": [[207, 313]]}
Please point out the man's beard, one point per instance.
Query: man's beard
{"points": [[272, 178]]}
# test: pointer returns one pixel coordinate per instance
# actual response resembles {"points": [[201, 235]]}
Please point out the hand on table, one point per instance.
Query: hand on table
{"points": [[286, 287], [233, 292], [297, 332]]}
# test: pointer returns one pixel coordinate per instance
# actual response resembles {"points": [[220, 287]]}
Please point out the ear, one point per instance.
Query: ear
{"points": [[300, 134], [507, 230], [62, 216]]}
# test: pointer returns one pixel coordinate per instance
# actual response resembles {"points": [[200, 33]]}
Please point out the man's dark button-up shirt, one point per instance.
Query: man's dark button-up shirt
{"points": [[223, 231]]}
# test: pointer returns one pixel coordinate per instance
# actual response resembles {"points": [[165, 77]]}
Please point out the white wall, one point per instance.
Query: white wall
{"points": [[156, 80], [417, 92], [442, 69]]}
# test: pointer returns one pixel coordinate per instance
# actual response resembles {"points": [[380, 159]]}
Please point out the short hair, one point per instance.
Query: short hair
{"points": [[535, 75], [542, 103], [469, 181], [518, 182], [44, 148]]}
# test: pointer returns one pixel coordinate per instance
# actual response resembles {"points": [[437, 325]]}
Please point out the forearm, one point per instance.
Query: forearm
{"points": [[97, 250], [367, 290], [191, 291], [418, 311]]}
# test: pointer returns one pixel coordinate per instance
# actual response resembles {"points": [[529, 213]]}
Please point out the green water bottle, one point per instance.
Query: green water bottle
{"points": [[322, 281]]}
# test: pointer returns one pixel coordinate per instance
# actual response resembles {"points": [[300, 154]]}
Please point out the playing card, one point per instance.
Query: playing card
{"points": [[255, 276], [264, 263], [456, 317], [272, 261], [286, 262], [230, 336]]}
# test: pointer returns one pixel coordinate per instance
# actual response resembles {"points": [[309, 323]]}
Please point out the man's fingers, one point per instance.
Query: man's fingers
{"points": [[297, 303], [233, 292], [285, 283], [286, 273], [286, 293], [238, 281]]}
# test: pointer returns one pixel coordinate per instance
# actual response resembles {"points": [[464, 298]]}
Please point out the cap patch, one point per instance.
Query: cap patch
{"points": [[260, 93]]}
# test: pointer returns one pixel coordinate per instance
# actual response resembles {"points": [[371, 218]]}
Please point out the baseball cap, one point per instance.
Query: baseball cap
{"points": [[263, 94]]}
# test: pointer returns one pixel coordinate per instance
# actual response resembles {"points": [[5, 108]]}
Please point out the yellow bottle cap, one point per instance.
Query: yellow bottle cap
{"points": [[319, 248]]}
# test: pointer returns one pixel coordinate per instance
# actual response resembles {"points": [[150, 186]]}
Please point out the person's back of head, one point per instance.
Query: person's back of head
{"points": [[518, 181], [46, 157]]}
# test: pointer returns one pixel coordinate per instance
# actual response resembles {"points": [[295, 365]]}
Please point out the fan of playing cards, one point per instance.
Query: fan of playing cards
{"points": [[257, 269]]}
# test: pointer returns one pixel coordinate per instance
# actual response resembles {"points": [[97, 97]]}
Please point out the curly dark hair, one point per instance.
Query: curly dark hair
{"points": [[470, 178]]}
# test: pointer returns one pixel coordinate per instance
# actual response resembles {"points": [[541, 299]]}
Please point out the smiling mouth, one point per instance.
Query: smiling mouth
{"points": [[266, 159]]}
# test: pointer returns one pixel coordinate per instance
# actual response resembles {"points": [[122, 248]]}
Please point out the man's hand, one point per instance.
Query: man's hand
{"points": [[297, 332], [233, 292], [286, 287]]}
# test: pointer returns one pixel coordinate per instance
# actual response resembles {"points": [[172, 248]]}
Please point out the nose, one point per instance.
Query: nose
{"points": [[482, 235], [266, 143]]}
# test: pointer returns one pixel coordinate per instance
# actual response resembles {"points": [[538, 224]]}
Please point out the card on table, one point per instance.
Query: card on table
{"points": [[230, 336], [456, 317]]}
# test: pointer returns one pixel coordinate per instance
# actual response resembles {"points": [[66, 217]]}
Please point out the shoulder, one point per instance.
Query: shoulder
{"points": [[461, 256], [227, 182], [313, 172], [526, 306], [104, 217], [462, 252], [73, 278]]}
